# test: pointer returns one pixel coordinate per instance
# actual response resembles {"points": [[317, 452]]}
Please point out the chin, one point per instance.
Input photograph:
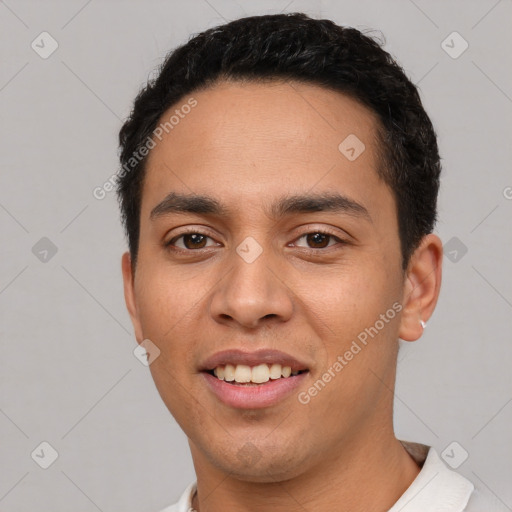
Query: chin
{"points": [[259, 465]]}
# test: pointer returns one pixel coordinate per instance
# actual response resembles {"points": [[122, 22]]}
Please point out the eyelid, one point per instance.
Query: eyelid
{"points": [[338, 233]]}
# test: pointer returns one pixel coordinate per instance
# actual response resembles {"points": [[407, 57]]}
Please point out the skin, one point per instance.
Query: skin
{"points": [[246, 145]]}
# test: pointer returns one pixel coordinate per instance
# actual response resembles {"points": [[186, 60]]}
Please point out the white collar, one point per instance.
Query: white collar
{"points": [[436, 488]]}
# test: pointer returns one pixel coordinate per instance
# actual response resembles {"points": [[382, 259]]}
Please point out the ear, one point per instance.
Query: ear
{"points": [[129, 295], [421, 287]]}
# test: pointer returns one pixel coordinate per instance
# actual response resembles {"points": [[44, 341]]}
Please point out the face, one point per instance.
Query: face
{"points": [[251, 267]]}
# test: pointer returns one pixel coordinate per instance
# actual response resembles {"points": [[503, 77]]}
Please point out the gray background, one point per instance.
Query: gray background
{"points": [[68, 374]]}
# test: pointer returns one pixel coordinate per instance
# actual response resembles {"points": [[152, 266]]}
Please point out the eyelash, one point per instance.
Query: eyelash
{"points": [[170, 243]]}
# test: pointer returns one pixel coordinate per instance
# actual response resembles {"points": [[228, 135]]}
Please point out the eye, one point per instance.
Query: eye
{"points": [[191, 240], [320, 239]]}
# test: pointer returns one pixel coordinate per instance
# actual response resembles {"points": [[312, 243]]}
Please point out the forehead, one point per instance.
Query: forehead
{"points": [[247, 141]]}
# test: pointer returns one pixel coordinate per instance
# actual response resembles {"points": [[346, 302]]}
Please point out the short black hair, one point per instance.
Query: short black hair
{"points": [[298, 48]]}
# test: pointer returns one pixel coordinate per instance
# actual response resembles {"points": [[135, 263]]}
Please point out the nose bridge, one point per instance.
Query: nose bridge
{"points": [[251, 290]]}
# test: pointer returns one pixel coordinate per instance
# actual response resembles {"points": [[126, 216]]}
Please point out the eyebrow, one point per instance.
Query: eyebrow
{"points": [[284, 206]]}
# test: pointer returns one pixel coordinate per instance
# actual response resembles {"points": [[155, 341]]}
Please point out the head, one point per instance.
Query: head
{"points": [[278, 191]]}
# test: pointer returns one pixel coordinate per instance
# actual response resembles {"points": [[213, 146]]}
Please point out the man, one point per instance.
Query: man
{"points": [[278, 190]]}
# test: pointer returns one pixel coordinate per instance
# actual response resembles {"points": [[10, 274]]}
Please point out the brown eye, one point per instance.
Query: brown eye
{"points": [[319, 240], [194, 241], [189, 241]]}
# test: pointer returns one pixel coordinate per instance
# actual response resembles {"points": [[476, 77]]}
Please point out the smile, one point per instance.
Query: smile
{"points": [[244, 374]]}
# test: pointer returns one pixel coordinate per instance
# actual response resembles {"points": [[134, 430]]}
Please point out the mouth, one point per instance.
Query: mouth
{"points": [[245, 375], [253, 380]]}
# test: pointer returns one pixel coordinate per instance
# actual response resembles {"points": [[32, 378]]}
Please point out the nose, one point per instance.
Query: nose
{"points": [[252, 293]]}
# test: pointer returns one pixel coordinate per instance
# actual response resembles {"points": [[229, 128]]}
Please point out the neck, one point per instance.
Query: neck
{"points": [[368, 474]]}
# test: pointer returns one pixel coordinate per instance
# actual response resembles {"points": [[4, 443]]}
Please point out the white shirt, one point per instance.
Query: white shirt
{"points": [[436, 488]]}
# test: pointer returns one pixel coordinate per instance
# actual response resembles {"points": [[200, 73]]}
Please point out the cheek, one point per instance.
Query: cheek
{"points": [[167, 311], [348, 309], [347, 300], [347, 313], [165, 298], [176, 393]]}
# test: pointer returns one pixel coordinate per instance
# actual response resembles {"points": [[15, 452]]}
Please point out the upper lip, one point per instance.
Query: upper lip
{"points": [[262, 356]]}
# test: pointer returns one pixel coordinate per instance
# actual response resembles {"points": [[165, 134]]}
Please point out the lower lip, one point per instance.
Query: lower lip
{"points": [[254, 397]]}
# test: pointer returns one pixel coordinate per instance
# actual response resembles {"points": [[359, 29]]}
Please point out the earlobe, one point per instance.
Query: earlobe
{"points": [[421, 287], [129, 295]]}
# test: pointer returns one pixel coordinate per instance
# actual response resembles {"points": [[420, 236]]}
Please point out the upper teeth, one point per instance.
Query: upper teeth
{"points": [[257, 374]]}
